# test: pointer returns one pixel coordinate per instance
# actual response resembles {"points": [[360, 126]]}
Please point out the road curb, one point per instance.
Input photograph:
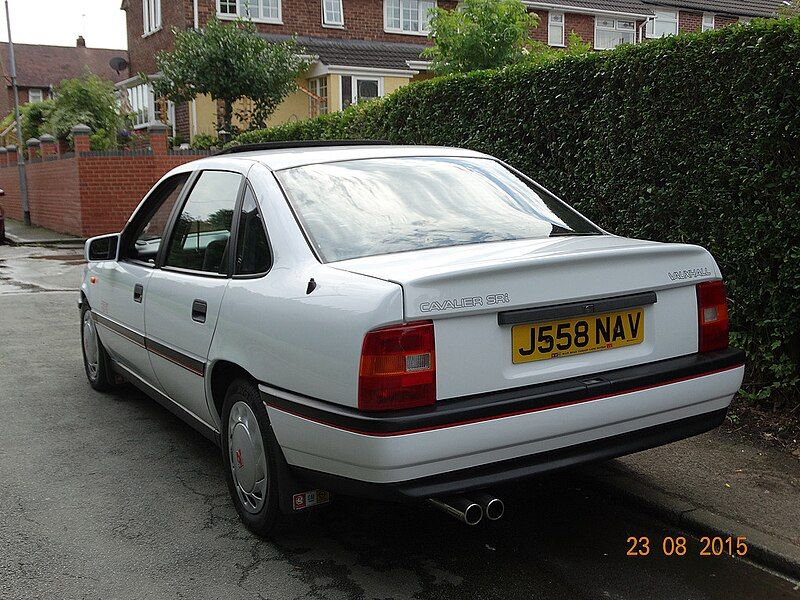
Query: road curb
{"points": [[16, 240], [763, 549]]}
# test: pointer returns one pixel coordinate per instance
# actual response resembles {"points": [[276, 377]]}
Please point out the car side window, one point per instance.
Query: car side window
{"points": [[148, 231], [200, 237], [253, 255]]}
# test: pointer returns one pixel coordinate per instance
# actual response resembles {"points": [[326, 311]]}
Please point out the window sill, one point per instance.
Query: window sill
{"points": [[147, 34], [557, 45], [400, 32], [225, 17], [333, 26]]}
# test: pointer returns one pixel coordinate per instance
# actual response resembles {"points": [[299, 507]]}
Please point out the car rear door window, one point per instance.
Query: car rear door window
{"points": [[200, 237], [253, 254]]}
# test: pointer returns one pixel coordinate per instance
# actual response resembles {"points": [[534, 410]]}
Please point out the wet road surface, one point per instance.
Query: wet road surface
{"points": [[110, 496]]}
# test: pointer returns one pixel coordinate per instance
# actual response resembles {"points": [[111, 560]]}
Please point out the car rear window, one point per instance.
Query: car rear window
{"points": [[357, 208]]}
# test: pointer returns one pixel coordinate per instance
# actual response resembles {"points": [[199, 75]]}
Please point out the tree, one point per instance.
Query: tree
{"points": [[89, 100], [480, 34], [229, 62]]}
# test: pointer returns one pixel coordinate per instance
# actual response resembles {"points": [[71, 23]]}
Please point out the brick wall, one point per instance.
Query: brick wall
{"points": [[724, 20], [142, 50], [85, 195], [540, 33], [363, 20], [581, 24], [690, 22]]}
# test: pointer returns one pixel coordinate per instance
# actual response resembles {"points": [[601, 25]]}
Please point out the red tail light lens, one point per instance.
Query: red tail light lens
{"points": [[398, 368], [712, 307]]}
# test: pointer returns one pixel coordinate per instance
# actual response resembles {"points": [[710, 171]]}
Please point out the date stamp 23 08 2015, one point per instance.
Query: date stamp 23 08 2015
{"points": [[679, 546]]}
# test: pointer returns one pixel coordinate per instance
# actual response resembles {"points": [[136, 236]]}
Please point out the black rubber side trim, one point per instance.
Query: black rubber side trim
{"points": [[479, 407], [126, 332], [575, 309], [197, 367], [492, 475]]}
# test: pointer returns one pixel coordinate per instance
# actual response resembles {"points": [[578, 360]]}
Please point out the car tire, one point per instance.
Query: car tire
{"points": [[250, 457], [96, 362]]}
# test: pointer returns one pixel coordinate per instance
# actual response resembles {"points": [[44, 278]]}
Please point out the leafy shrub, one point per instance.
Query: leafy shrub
{"points": [[694, 138], [204, 141], [89, 100]]}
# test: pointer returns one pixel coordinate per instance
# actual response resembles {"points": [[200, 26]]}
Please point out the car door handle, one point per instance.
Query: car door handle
{"points": [[138, 290], [199, 310]]}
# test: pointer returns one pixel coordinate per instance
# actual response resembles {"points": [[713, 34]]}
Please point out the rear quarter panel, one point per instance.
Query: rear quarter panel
{"points": [[307, 343]]}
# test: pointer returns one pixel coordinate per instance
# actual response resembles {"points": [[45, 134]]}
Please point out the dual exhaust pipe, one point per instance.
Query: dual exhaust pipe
{"points": [[471, 510]]}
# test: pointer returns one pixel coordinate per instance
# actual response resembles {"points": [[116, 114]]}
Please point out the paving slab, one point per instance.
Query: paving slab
{"points": [[20, 234]]}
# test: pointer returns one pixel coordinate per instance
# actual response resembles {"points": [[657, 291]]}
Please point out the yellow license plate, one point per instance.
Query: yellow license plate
{"points": [[578, 335]]}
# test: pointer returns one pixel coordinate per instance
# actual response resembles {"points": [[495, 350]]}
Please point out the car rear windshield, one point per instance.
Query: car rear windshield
{"points": [[357, 208]]}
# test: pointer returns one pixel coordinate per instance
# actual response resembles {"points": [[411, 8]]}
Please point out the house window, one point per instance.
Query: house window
{"points": [[265, 11], [665, 23], [744, 20], [407, 16], [151, 15], [142, 105], [708, 22], [319, 87], [555, 29], [35, 95], [332, 13], [356, 88], [610, 33]]}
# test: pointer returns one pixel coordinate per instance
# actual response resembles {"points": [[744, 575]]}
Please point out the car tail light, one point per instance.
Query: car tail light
{"points": [[398, 368], [712, 307]]}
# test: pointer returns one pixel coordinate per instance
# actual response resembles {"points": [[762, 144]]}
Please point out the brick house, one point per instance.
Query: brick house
{"points": [[606, 24], [359, 49], [368, 48], [40, 68]]}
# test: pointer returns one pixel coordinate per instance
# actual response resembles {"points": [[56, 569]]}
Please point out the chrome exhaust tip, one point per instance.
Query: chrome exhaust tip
{"points": [[461, 508], [493, 507]]}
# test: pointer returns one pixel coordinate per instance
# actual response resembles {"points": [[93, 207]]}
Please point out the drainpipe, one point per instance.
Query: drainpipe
{"points": [[23, 179], [196, 16]]}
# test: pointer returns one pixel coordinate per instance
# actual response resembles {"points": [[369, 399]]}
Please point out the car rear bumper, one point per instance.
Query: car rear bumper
{"points": [[484, 440]]}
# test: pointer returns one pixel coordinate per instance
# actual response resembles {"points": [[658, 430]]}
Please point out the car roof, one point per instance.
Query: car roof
{"points": [[287, 158]]}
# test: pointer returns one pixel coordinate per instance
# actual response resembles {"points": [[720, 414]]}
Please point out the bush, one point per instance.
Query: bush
{"points": [[204, 141], [89, 100], [693, 138]]}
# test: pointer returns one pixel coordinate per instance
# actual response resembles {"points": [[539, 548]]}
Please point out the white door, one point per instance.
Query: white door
{"points": [[185, 294], [120, 292]]}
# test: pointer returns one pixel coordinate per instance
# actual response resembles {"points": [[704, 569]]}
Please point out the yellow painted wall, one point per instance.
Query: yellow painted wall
{"points": [[390, 84], [294, 107], [206, 116], [334, 92]]}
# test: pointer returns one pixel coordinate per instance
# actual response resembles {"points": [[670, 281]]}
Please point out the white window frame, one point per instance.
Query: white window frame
{"points": [[615, 28], [315, 85], [151, 16], [37, 92], [142, 103], [707, 25], [242, 12], [333, 24], [650, 28], [354, 85], [422, 18], [550, 24]]}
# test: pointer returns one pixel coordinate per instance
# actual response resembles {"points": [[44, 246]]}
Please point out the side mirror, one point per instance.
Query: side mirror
{"points": [[102, 247]]}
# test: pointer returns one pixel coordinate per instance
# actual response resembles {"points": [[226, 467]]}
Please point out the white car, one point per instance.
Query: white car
{"points": [[400, 322]]}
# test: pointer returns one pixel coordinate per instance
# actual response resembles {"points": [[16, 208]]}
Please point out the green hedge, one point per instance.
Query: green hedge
{"points": [[694, 138]]}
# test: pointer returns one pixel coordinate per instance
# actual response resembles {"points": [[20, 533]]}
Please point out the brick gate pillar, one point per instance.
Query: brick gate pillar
{"points": [[80, 138], [158, 137]]}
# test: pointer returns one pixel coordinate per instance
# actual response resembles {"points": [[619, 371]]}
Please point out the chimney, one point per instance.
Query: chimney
{"points": [[80, 43]]}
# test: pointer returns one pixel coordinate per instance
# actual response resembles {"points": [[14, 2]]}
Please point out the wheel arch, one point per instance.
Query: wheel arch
{"points": [[223, 373]]}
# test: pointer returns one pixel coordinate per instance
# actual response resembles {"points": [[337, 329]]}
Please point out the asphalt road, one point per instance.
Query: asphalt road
{"points": [[110, 496]]}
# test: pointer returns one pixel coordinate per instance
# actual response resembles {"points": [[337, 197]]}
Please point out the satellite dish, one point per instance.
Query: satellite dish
{"points": [[118, 64]]}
